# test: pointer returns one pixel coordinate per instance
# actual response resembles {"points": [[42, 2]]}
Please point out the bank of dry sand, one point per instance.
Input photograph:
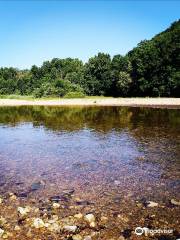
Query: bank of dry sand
{"points": [[134, 102]]}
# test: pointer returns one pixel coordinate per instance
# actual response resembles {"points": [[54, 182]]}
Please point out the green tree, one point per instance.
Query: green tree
{"points": [[97, 80], [123, 83]]}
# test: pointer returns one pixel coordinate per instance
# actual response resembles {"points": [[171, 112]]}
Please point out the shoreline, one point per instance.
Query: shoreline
{"points": [[173, 103]]}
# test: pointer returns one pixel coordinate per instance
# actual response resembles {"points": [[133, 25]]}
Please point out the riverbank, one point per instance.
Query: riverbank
{"points": [[96, 101]]}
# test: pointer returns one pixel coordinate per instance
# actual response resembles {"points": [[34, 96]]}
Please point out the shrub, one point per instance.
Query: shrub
{"points": [[75, 95]]}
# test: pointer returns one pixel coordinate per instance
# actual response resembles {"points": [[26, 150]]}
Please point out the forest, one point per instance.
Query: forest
{"points": [[152, 69]]}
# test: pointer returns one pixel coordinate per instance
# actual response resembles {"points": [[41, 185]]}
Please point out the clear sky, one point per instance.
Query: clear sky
{"points": [[34, 31]]}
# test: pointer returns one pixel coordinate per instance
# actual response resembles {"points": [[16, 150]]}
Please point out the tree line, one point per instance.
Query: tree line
{"points": [[150, 69]]}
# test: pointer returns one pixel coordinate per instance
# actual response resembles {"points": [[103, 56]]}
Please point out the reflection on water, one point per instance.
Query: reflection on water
{"points": [[107, 154]]}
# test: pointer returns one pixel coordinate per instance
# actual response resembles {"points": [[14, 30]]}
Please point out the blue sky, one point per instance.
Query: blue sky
{"points": [[34, 31]]}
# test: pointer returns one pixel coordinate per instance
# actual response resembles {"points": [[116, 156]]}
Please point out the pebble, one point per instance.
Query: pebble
{"points": [[78, 215], [123, 218], [77, 237], [38, 223], [35, 186], [70, 228], [92, 224], [87, 238], [104, 219], [54, 227], [152, 204], [56, 205], [116, 182], [1, 200], [121, 238], [2, 221], [24, 211], [89, 218], [174, 202], [17, 228], [68, 191], [1, 232], [12, 197]]}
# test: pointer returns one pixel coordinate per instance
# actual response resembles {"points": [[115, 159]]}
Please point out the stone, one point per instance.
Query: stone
{"points": [[87, 238], [83, 203], [13, 197], [17, 228], [121, 238], [58, 199], [56, 205], [116, 182], [89, 217], [1, 200], [22, 195], [1, 232], [123, 218], [36, 186], [38, 223], [24, 211], [78, 215], [68, 191], [2, 221], [92, 224], [53, 227], [152, 204], [104, 219], [77, 237], [70, 228], [174, 202]]}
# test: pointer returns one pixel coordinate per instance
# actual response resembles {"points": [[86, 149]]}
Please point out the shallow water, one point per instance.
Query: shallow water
{"points": [[113, 158]]}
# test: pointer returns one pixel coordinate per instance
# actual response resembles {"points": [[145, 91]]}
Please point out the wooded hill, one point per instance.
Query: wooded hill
{"points": [[150, 69]]}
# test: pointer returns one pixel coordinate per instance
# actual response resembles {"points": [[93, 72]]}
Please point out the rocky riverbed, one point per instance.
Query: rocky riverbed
{"points": [[89, 173], [67, 217]]}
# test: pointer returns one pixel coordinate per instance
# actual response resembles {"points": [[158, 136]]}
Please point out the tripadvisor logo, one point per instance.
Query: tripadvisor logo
{"points": [[139, 231]]}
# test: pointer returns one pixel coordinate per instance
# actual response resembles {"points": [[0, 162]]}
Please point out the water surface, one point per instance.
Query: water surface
{"points": [[113, 157]]}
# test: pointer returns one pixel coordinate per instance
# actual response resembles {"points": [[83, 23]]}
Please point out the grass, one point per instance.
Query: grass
{"points": [[14, 96], [24, 97], [32, 98]]}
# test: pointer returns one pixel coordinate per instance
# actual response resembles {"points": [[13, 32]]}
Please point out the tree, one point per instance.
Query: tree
{"points": [[123, 83], [97, 75], [155, 64], [120, 68]]}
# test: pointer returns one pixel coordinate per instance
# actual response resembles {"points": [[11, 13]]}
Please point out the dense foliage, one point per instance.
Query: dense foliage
{"points": [[150, 69]]}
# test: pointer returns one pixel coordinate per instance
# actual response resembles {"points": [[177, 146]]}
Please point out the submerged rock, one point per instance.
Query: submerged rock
{"points": [[89, 218], [70, 228], [78, 215], [152, 204], [56, 205], [77, 237], [12, 197], [17, 228], [83, 203], [54, 227], [22, 195], [38, 223], [68, 191], [87, 238], [24, 211], [1, 232], [123, 218], [2, 221], [116, 182], [59, 198], [174, 202], [35, 186]]}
